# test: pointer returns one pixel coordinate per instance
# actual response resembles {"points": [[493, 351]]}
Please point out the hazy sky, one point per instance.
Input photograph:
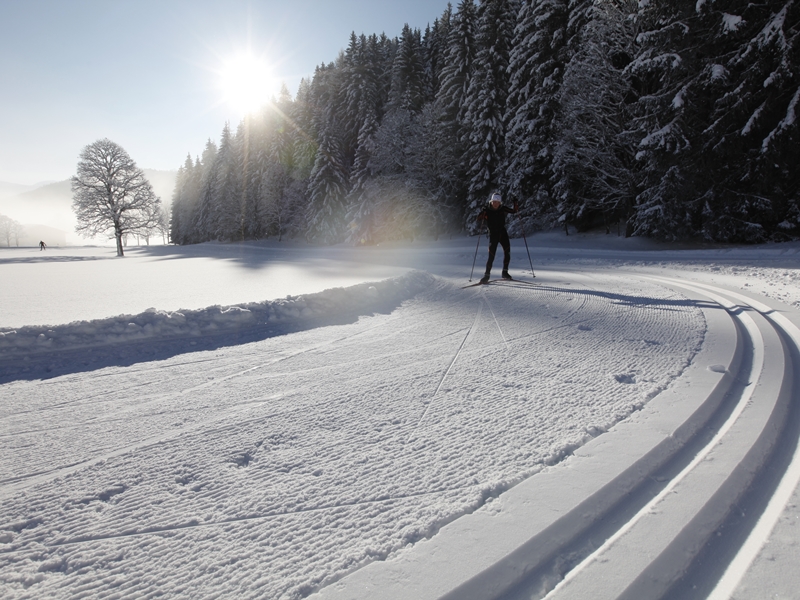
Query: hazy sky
{"points": [[148, 74]]}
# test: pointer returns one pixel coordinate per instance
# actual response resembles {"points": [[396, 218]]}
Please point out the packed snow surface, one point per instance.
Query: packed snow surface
{"points": [[265, 418]]}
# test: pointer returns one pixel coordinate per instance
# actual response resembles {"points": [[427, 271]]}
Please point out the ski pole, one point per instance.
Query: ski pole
{"points": [[526, 245], [476, 252]]}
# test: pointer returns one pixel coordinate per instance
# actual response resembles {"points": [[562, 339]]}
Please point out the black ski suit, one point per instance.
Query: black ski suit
{"points": [[496, 222]]}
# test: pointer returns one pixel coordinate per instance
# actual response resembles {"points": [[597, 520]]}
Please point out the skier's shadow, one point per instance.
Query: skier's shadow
{"points": [[51, 258], [624, 300]]}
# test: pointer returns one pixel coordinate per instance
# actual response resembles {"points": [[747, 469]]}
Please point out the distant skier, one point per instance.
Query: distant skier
{"points": [[495, 217], [42, 246]]}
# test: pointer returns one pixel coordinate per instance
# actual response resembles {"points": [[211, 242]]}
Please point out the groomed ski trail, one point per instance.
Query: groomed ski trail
{"points": [[345, 453]]}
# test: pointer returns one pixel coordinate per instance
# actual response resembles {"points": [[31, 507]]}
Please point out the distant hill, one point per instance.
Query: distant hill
{"points": [[12, 189], [52, 192], [51, 205], [51, 236]]}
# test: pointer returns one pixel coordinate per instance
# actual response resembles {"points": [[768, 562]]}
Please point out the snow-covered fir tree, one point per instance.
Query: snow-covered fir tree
{"points": [[593, 165], [226, 216], [304, 134], [435, 44], [536, 68], [364, 78], [408, 88], [183, 198], [328, 182], [328, 187], [750, 143], [457, 68], [202, 229], [663, 74], [483, 133]]}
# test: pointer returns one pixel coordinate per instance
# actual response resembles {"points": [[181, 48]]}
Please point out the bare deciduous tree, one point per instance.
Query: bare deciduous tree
{"points": [[111, 193], [10, 230]]}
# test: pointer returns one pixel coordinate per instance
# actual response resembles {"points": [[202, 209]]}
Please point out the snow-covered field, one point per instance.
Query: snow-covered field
{"points": [[272, 420]]}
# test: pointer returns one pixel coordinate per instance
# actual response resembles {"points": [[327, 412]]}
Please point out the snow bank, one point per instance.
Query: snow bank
{"points": [[156, 324]]}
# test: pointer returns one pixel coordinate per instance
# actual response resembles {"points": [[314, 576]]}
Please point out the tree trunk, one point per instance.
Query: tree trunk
{"points": [[118, 236]]}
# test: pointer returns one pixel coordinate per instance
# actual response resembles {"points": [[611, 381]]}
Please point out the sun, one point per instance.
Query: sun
{"points": [[247, 83]]}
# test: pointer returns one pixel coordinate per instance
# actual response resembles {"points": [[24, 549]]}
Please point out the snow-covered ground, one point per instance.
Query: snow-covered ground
{"points": [[270, 420]]}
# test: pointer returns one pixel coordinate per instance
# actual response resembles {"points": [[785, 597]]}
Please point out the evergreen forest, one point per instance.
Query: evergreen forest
{"points": [[667, 119]]}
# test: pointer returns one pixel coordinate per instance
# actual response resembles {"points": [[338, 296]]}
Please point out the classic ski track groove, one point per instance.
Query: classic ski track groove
{"points": [[757, 538], [447, 371], [755, 338], [502, 335]]}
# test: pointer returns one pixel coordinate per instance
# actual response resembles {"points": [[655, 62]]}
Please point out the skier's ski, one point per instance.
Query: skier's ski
{"points": [[499, 281]]}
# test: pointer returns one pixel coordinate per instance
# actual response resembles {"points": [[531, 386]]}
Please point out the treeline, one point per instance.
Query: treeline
{"points": [[664, 119]]}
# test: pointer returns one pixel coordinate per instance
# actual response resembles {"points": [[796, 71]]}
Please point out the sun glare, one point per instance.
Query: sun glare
{"points": [[247, 83]]}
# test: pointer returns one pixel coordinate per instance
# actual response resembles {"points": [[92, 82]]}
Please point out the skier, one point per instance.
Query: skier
{"points": [[42, 246], [495, 217]]}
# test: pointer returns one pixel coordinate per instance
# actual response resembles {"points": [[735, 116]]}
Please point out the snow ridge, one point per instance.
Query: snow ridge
{"points": [[154, 324]]}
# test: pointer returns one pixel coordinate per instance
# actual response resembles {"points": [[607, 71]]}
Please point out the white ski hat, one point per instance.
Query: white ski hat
{"points": [[496, 196]]}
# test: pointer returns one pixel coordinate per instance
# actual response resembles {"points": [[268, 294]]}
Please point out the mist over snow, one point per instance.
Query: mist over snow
{"points": [[45, 210]]}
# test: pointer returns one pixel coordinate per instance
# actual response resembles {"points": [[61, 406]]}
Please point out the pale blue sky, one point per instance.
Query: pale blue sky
{"points": [[145, 73]]}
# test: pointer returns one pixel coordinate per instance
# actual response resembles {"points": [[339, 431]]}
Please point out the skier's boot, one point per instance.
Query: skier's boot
{"points": [[485, 278], [506, 275]]}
